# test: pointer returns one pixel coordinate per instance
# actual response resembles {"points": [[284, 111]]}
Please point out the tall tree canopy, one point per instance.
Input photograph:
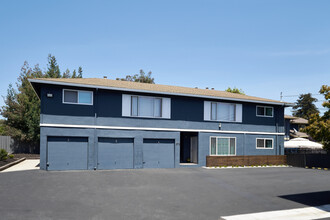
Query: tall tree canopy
{"points": [[53, 70], [235, 90], [22, 106], [325, 90], [319, 127], [142, 78], [305, 107]]}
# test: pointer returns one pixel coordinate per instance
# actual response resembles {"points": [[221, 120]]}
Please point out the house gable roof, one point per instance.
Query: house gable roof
{"points": [[153, 88]]}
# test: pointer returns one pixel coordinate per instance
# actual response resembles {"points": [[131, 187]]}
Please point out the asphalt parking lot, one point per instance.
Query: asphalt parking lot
{"points": [[185, 193]]}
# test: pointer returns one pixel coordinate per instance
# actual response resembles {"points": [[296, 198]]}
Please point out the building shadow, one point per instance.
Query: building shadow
{"points": [[311, 199]]}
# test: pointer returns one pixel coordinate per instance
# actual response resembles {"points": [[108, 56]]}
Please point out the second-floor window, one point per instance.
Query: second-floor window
{"points": [[146, 106], [77, 97], [223, 112], [265, 111], [220, 111]]}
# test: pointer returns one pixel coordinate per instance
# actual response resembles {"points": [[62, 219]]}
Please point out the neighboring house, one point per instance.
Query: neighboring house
{"points": [[108, 124], [293, 125]]}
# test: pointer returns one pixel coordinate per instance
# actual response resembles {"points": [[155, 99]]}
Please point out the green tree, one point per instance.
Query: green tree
{"points": [[305, 107], [22, 109], [80, 71], [53, 69], [66, 74], [22, 106], [74, 74], [319, 127], [235, 90], [325, 90], [142, 78], [2, 127]]}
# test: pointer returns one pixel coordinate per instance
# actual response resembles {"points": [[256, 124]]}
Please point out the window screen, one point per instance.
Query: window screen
{"points": [[70, 96]]}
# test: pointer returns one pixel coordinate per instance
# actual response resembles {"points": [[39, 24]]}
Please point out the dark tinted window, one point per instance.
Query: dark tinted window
{"points": [[115, 140], [158, 141], [67, 139], [70, 96]]}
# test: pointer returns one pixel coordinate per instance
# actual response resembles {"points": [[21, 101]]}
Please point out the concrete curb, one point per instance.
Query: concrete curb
{"points": [[12, 164]]}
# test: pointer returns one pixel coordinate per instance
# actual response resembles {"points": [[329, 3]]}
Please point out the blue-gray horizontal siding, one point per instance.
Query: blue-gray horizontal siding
{"points": [[245, 143], [93, 135], [55, 106], [154, 123], [45, 132], [108, 103]]}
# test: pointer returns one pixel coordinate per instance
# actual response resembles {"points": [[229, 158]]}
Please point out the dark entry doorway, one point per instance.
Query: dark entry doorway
{"points": [[189, 147]]}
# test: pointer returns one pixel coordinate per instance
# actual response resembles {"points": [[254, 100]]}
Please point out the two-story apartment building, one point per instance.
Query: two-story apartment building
{"points": [[108, 124]]}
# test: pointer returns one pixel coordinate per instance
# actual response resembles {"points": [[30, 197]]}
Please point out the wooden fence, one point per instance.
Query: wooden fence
{"points": [[6, 143], [309, 160], [13, 146]]}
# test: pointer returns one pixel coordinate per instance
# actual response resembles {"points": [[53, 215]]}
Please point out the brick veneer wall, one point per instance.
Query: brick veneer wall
{"points": [[214, 161]]}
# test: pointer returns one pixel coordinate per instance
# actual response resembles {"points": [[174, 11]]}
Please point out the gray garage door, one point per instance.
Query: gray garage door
{"points": [[158, 153], [115, 153], [67, 153]]}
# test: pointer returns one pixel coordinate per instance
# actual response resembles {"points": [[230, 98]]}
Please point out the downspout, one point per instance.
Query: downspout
{"points": [[95, 131], [277, 131]]}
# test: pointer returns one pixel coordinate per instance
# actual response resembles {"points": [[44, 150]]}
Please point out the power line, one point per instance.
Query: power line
{"points": [[297, 95], [281, 95]]}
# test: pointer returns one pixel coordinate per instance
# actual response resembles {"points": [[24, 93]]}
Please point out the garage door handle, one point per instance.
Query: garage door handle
{"points": [[143, 162]]}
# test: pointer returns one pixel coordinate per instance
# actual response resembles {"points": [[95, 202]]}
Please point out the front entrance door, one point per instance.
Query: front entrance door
{"points": [[189, 147]]}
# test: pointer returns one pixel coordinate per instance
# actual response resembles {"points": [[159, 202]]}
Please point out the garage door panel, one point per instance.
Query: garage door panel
{"points": [[158, 153], [64, 155], [115, 156], [115, 153]]}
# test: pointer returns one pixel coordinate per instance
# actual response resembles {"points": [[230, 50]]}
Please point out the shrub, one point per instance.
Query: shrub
{"points": [[11, 156], [3, 154]]}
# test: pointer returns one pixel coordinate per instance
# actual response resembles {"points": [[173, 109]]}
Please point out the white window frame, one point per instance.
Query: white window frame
{"points": [[261, 106], [264, 139], [234, 104], [153, 97], [216, 146], [75, 90]]}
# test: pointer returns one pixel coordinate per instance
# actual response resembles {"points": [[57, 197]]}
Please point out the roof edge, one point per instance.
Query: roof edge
{"points": [[285, 104]]}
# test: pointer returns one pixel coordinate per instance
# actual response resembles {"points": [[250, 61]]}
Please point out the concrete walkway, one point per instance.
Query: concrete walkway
{"points": [[25, 165]]}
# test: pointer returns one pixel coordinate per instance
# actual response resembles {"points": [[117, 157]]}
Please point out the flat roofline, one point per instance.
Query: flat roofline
{"points": [[285, 104]]}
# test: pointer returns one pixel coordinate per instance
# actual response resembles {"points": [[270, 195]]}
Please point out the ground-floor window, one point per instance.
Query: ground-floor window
{"points": [[223, 146], [264, 143]]}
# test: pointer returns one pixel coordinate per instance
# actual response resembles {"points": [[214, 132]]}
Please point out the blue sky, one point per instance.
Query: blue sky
{"points": [[262, 47]]}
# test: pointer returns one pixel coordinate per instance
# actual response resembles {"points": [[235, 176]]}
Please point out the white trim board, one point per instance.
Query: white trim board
{"points": [[306, 213], [156, 129], [156, 92]]}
